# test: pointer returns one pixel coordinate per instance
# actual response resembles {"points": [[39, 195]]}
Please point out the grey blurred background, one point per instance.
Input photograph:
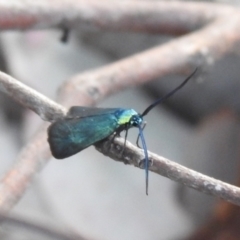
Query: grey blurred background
{"points": [[100, 198]]}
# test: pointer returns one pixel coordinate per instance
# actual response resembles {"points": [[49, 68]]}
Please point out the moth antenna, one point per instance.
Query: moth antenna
{"points": [[149, 108], [146, 165]]}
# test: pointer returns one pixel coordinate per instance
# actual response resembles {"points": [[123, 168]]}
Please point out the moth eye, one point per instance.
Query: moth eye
{"points": [[134, 121]]}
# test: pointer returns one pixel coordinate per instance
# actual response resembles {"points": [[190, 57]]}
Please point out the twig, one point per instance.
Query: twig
{"points": [[132, 155], [34, 156], [155, 17], [201, 48], [30, 98], [31, 159], [170, 169]]}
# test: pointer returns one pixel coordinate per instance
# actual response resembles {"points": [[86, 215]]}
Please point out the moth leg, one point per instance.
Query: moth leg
{"points": [[141, 163], [125, 140], [137, 142], [117, 134], [114, 135]]}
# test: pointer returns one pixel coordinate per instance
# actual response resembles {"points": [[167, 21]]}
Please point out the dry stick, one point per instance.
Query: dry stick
{"points": [[206, 45], [170, 169], [47, 109], [155, 17], [17, 179], [132, 155]]}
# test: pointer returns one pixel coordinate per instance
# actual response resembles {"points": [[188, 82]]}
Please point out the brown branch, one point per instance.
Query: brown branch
{"points": [[29, 98], [31, 159], [170, 169], [17, 179], [156, 17], [199, 49], [203, 47]]}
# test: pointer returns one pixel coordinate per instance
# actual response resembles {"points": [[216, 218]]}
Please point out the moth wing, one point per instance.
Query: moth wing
{"points": [[67, 137], [80, 112]]}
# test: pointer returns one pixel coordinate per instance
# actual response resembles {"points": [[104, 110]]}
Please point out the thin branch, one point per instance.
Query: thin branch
{"points": [[34, 156], [17, 179], [30, 98], [199, 49], [155, 17], [170, 169]]}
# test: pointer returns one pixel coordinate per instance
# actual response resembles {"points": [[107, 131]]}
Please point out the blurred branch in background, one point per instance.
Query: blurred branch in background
{"points": [[212, 31], [16, 228], [152, 17]]}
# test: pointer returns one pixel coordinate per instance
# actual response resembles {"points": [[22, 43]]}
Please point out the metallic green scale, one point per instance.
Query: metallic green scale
{"points": [[83, 127], [125, 115]]}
